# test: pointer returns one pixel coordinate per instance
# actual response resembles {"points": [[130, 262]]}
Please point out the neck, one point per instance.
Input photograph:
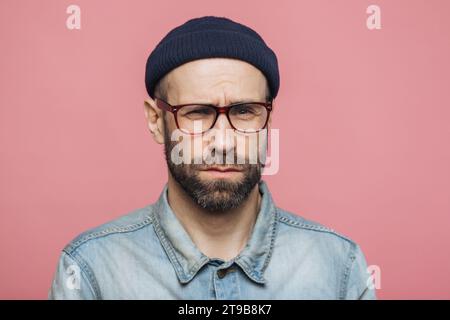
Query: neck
{"points": [[217, 234]]}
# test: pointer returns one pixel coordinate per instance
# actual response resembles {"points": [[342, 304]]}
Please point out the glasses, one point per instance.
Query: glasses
{"points": [[197, 118]]}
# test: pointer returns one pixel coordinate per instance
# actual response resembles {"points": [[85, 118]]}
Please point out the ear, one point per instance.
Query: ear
{"points": [[155, 120]]}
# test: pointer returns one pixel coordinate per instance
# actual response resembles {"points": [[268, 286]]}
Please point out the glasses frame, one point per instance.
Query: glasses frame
{"points": [[219, 110]]}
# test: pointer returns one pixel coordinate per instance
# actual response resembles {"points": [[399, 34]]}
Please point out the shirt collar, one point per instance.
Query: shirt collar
{"points": [[187, 259]]}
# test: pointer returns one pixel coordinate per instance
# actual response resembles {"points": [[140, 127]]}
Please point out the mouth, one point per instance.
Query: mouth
{"points": [[222, 172], [223, 169]]}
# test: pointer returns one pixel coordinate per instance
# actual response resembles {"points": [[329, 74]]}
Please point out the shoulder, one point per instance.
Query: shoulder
{"points": [[123, 226], [294, 225], [330, 252]]}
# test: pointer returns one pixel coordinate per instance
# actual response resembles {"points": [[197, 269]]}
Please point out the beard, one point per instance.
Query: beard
{"points": [[213, 195]]}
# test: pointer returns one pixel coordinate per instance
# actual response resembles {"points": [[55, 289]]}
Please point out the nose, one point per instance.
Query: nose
{"points": [[223, 132]]}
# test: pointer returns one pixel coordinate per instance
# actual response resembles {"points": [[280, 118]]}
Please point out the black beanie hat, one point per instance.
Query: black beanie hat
{"points": [[209, 37]]}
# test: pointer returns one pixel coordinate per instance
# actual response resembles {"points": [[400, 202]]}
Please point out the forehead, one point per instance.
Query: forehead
{"points": [[215, 80]]}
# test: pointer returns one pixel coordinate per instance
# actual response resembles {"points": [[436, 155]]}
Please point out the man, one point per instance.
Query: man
{"points": [[214, 232]]}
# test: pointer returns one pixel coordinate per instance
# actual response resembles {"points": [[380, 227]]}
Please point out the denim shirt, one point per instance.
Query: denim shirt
{"points": [[147, 254]]}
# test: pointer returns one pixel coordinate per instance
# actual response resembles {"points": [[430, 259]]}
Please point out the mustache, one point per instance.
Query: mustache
{"points": [[239, 167]]}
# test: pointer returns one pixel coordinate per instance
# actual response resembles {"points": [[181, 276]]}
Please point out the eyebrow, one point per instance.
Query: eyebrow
{"points": [[230, 103]]}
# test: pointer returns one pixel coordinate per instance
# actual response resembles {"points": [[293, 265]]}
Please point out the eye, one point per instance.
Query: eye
{"points": [[198, 111], [245, 109]]}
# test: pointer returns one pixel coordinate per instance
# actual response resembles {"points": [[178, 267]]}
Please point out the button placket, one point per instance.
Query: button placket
{"points": [[226, 283]]}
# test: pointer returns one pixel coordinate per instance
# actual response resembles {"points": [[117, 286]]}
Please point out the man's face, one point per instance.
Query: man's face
{"points": [[218, 82]]}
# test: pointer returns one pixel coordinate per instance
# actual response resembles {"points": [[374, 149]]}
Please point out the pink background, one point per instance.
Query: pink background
{"points": [[363, 116]]}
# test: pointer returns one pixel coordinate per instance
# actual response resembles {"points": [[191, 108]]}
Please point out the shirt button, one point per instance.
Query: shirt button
{"points": [[223, 272]]}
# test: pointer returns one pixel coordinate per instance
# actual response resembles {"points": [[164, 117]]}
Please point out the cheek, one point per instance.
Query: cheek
{"points": [[251, 146]]}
